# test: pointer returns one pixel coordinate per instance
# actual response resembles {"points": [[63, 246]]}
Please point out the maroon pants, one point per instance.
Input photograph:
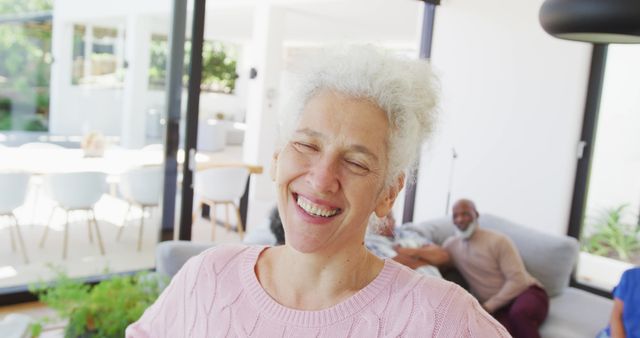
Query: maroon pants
{"points": [[524, 315]]}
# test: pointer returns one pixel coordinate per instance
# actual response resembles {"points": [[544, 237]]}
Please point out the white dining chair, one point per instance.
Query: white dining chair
{"points": [[221, 186], [75, 191], [13, 192], [141, 187], [37, 181]]}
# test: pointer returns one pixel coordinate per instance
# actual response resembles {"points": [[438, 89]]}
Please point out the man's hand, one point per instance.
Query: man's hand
{"points": [[414, 253], [484, 306], [408, 260], [430, 254]]}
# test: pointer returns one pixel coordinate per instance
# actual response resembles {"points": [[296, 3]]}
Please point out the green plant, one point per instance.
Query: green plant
{"points": [[612, 236], [25, 58], [219, 62], [103, 310], [36, 123], [5, 121]]}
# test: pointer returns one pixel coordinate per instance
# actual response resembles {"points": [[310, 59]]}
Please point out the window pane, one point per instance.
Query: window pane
{"points": [[93, 154], [611, 227]]}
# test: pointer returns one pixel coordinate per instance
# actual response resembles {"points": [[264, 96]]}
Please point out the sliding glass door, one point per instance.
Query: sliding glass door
{"points": [[610, 226]]}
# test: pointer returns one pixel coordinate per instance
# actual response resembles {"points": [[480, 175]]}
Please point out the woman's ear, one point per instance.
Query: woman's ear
{"points": [[389, 197], [274, 165]]}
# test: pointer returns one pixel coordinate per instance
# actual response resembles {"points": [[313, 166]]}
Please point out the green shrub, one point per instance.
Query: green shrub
{"points": [[5, 121], [612, 236], [35, 123], [103, 310]]}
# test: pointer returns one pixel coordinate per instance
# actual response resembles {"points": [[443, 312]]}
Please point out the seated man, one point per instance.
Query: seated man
{"points": [[383, 240], [491, 265]]}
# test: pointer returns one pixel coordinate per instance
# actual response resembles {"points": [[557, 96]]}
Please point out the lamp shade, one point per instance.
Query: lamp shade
{"points": [[595, 21]]}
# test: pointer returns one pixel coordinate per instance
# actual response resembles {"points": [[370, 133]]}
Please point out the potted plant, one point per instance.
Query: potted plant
{"points": [[103, 310]]}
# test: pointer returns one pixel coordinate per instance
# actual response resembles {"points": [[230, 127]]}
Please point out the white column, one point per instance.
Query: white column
{"points": [[262, 93], [60, 82], [136, 81]]}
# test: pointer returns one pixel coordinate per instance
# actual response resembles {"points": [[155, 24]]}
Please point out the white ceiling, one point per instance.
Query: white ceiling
{"points": [[392, 22]]}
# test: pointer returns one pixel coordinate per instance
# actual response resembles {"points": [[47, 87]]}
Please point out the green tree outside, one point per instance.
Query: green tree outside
{"points": [[25, 65]]}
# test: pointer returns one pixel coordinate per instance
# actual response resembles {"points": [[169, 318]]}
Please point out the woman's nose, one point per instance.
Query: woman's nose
{"points": [[323, 176]]}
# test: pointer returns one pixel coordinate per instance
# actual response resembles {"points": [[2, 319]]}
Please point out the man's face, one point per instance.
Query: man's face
{"points": [[463, 215]]}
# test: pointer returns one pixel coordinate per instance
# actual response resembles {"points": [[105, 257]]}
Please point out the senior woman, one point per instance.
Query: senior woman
{"points": [[348, 137]]}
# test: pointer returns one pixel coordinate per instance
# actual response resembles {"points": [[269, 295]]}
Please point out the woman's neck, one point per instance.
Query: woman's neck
{"points": [[314, 281]]}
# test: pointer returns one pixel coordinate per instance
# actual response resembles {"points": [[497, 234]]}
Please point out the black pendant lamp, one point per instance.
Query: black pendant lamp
{"points": [[595, 21]]}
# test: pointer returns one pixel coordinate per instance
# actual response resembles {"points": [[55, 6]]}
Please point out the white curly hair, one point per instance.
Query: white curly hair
{"points": [[405, 89]]}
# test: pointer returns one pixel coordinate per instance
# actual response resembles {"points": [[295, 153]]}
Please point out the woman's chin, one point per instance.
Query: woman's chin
{"points": [[304, 245]]}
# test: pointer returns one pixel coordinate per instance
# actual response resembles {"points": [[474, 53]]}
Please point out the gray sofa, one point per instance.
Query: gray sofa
{"points": [[550, 259]]}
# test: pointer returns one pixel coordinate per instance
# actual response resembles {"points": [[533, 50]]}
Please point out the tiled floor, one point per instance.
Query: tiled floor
{"points": [[84, 258]]}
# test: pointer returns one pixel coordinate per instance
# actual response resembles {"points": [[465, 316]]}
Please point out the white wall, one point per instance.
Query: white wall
{"points": [[83, 109], [512, 106]]}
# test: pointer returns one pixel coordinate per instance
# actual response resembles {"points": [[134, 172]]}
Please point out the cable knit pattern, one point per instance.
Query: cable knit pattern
{"points": [[217, 294]]}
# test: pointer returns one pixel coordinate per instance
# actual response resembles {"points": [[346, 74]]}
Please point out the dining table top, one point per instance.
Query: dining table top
{"points": [[114, 161]]}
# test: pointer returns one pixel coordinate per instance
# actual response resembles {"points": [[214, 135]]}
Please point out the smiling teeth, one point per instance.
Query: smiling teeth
{"points": [[315, 209]]}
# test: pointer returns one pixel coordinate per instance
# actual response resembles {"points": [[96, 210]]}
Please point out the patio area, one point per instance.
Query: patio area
{"points": [[84, 258]]}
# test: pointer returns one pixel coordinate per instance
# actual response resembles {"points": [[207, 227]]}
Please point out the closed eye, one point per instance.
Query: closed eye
{"points": [[304, 147], [357, 166]]}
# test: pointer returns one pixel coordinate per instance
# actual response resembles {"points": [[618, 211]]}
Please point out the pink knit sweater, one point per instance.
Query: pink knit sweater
{"points": [[217, 294]]}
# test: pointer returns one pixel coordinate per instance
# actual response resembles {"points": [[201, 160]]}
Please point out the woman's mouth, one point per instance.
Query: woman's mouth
{"points": [[314, 209]]}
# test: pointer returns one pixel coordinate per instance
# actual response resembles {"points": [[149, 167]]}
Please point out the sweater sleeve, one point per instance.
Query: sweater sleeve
{"points": [[514, 273], [167, 312]]}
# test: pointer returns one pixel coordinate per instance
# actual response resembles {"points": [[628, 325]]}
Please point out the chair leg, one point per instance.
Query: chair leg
{"points": [[13, 241], [141, 228], [20, 241], [90, 230], [66, 235], [124, 222], [36, 191], [240, 225], [46, 229], [226, 217], [212, 216], [95, 223]]}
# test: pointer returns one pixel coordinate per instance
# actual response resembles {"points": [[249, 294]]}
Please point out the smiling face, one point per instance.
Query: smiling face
{"points": [[330, 175], [464, 214]]}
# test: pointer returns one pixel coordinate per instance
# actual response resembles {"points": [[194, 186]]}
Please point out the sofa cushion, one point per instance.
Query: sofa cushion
{"points": [[576, 314], [171, 255], [550, 259]]}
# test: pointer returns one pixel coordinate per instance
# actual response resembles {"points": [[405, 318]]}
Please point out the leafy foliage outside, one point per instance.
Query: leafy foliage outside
{"points": [[219, 62], [611, 236], [101, 311], [25, 65]]}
